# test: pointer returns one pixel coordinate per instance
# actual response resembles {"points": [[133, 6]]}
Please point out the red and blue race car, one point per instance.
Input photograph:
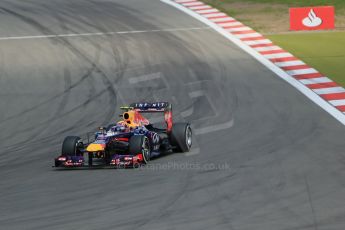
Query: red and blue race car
{"points": [[131, 142]]}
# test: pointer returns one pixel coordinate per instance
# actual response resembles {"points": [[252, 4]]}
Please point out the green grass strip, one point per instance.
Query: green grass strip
{"points": [[324, 51]]}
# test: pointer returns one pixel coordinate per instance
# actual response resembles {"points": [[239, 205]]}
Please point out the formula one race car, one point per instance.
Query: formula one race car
{"points": [[131, 142]]}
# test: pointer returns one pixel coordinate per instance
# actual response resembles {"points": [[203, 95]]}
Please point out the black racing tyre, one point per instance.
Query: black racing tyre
{"points": [[181, 137], [140, 144], [71, 146]]}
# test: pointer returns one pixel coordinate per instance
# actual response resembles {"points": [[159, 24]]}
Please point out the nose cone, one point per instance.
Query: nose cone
{"points": [[95, 147]]}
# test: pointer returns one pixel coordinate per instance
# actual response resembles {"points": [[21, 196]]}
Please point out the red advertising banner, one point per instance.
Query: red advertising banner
{"points": [[312, 18]]}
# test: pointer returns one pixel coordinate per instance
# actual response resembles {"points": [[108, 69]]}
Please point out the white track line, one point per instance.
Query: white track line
{"points": [[278, 55], [98, 33], [214, 15], [289, 63], [200, 7], [329, 90], [192, 4], [271, 66], [337, 102], [258, 42], [302, 71], [182, 1], [194, 151], [228, 24], [317, 80], [207, 11], [148, 77], [225, 19], [267, 48], [245, 28], [252, 35], [198, 93], [214, 128]]}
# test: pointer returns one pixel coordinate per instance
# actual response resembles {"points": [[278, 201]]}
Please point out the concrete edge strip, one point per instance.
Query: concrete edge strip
{"points": [[328, 95]]}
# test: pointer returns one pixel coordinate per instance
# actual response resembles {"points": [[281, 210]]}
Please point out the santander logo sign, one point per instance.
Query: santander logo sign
{"points": [[312, 18]]}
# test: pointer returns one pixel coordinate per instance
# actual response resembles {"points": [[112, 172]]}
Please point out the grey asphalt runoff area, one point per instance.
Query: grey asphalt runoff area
{"points": [[264, 156]]}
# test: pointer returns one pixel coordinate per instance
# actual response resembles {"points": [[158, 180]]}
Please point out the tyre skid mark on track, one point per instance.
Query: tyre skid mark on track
{"points": [[30, 141], [94, 68], [51, 99], [310, 200], [223, 213], [164, 210], [210, 128], [109, 88], [95, 95], [65, 97]]}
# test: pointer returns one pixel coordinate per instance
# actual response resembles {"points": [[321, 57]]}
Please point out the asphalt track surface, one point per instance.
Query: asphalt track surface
{"points": [[285, 156]]}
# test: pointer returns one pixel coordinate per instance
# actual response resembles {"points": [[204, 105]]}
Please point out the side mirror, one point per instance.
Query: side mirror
{"points": [[102, 129]]}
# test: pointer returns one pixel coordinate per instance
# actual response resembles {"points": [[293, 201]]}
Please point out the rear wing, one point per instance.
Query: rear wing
{"points": [[155, 107]]}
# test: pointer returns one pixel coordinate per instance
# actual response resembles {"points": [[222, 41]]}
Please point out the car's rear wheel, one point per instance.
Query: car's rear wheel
{"points": [[71, 146], [140, 144], [181, 137]]}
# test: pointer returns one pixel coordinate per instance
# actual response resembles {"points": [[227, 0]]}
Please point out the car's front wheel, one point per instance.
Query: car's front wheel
{"points": [[140, 144], [71, 146]]}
